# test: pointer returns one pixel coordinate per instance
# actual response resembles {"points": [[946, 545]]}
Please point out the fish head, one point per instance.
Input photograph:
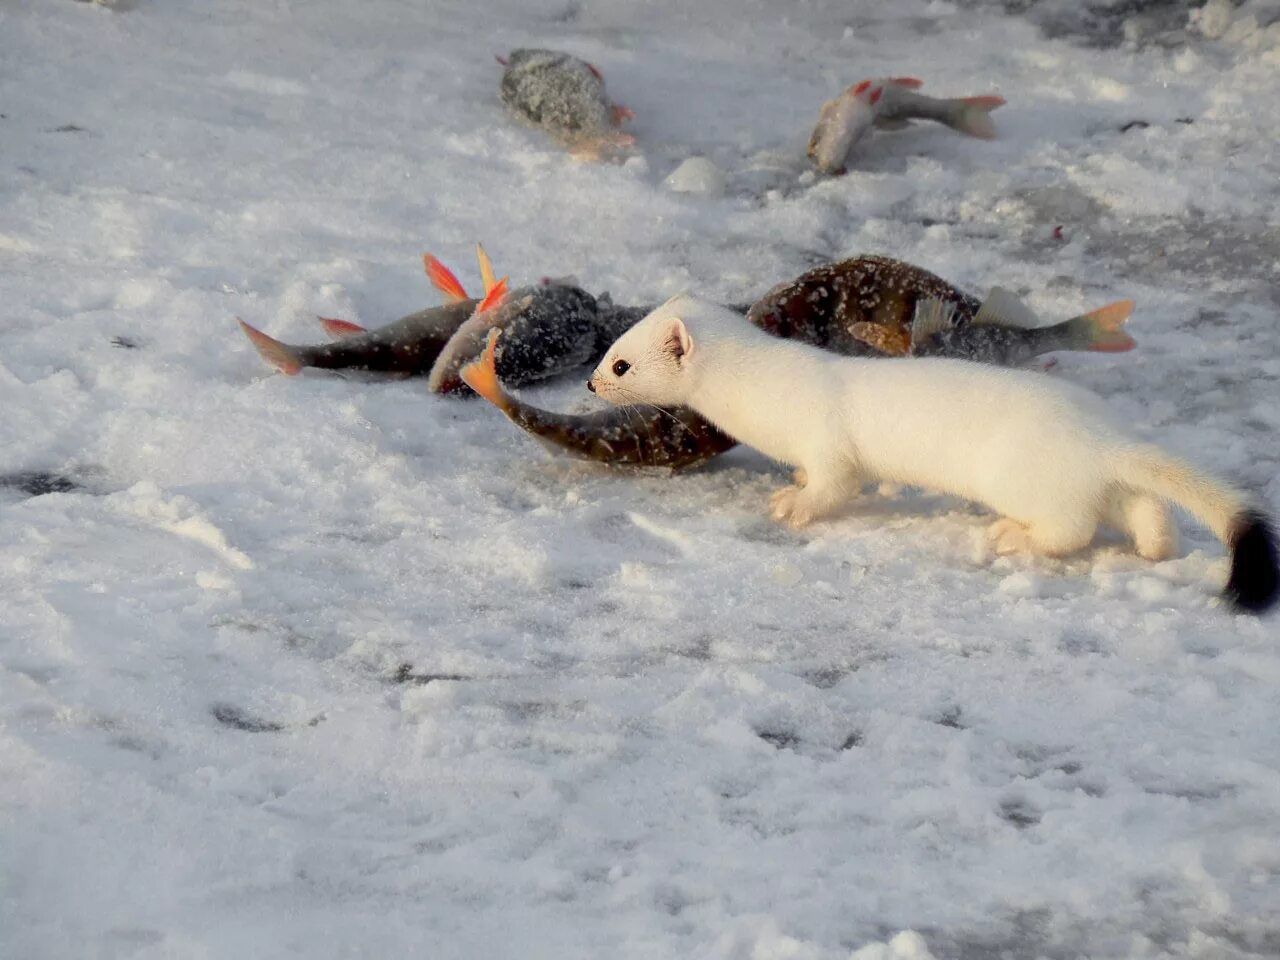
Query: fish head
{"points": [[843, 121], [565, 296], [652, 362]]}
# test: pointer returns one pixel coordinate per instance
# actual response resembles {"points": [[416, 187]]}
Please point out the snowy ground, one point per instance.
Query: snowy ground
{"points": [[325, 667]]}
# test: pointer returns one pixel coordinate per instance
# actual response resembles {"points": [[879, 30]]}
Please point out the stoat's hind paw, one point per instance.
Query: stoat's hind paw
{"points": [[1009, 536]]}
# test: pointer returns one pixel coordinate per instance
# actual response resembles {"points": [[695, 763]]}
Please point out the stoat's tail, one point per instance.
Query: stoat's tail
{"points": [[1254, 583]]}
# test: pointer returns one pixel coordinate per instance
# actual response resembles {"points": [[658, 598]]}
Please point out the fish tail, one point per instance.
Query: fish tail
{"points": [[481, 374], [1102, 330], [280, 355], [340, 329], [973, 116]]}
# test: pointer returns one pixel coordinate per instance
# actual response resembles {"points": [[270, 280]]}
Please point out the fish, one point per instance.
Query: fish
{"points": [[561, 327], [867, 306], [633, 436], [552, 329], [993, 337], [891, 104], [565, 97], [408, 346]]}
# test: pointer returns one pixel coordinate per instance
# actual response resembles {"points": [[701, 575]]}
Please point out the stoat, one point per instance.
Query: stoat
{"points": [[1043, 454]]}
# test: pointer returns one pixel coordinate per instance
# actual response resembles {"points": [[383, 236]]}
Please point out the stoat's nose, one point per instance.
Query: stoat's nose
{"points": [[591, 385]]}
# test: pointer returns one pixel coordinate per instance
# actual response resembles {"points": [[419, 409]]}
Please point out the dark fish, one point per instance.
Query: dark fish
{"points": [[635, 436], [551, 329], [410, 345], [559, 328], [867, 306], [935, 332], [564, 96]]}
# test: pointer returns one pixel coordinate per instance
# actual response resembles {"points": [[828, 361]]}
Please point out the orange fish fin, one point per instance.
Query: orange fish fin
{"points": [[279, 355], [913, 82], [1105, 327], [481, 374], [894, 342], [339, 329], [442, 279], [493, 297], [486, 269]]}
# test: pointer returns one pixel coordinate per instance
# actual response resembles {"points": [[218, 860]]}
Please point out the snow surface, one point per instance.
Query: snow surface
{"points": [[325, 667]]}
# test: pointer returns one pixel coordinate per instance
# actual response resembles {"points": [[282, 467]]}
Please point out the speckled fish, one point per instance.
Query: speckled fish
{"points": [[557, 317], [551, 329], [408, 346], [634, 436], [564, 96], [890, 104], [868, 306]]}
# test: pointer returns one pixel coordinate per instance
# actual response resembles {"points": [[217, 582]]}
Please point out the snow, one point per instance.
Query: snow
{"points": [[696, 175], [326, 667]]}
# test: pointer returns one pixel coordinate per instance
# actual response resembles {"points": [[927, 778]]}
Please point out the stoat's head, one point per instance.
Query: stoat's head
{"points": [[651, 362]]}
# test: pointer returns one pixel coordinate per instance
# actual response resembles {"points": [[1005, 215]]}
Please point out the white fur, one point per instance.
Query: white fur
{"points": [[1044, 454]]}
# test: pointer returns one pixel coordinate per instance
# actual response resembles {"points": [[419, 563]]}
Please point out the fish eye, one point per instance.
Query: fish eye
{"points": [[620, 367]]}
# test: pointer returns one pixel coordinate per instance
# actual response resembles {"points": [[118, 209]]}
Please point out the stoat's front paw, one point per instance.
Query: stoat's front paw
{"points": [[1009, 536], [790, 506]]}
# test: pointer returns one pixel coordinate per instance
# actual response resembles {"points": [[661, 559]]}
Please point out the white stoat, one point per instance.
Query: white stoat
{"points": [[1044, 454]]}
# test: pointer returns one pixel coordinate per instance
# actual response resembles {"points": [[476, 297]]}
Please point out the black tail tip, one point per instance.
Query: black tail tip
{"points": [[1254, 584]]}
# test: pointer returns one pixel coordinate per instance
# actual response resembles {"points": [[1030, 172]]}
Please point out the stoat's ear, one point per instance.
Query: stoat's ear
{"points": [[678, 343]]}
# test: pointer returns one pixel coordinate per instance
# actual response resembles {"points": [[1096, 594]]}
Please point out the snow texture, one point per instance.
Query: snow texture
{"points": [[325, 667]]}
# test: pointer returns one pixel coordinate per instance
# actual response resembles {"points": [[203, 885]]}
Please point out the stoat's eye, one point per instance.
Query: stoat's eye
{"points": [[620, 367]]}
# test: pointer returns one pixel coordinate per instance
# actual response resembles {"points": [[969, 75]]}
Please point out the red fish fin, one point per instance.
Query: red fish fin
{"points": [[622, 114], [279, 355], [986, 103], [442, 279], [876, 94], [493, 297], [860, 88], [596, 71], [481, 374], [501, 60], [912, 82], [338, 329]]}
